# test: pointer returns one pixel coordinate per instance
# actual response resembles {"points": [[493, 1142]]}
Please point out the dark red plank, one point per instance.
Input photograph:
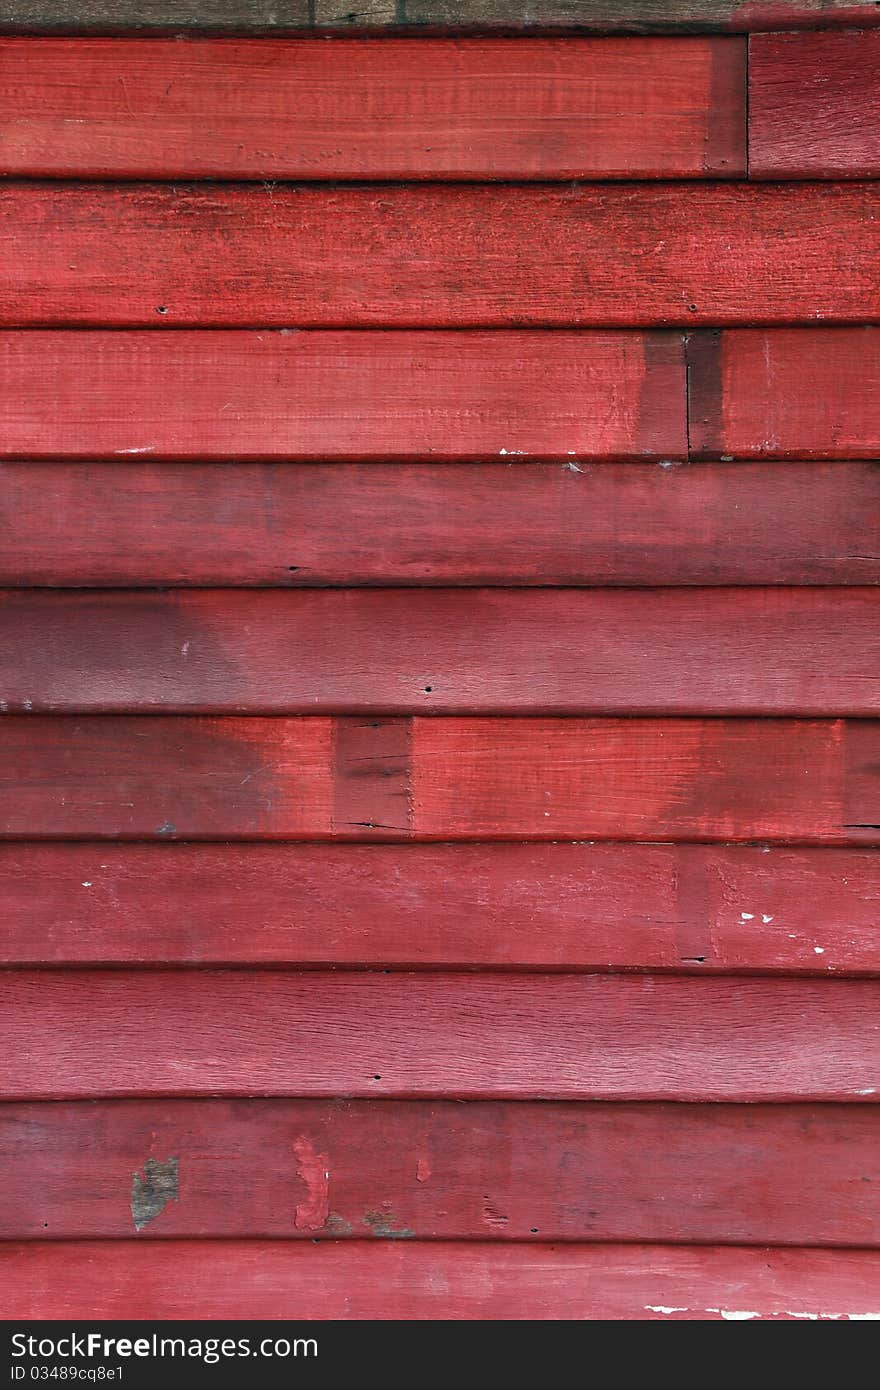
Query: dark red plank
{"points": [[131, 777], [399, 1279], [814, 105], [440, 257], [376, 16], [717, 909], [412, 108], [487, 651], [82, 1033], [358, 396], [785, 393], [450, 1170], [520, 524]]}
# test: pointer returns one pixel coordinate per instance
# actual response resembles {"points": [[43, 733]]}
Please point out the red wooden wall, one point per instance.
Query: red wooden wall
{"points": [[439, 654]]}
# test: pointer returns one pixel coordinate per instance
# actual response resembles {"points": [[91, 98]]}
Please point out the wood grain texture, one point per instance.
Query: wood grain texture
{"points": [[166, 777], [785, 393], [487, 651], [89, 1033], [94, 524], [633, 255], [388, 1279], [814, 105], [357, 395], [689, 908], [400, 109], [493, 1171], [384, 1280], [570, 16]]}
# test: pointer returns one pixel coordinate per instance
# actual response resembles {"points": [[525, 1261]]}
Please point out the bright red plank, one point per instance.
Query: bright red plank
{"points": [[131, 777], [562, 651], [520, 524], [433, 1281], [445, 1169], [422, 108], [647, 779], [244, 395], [411, 257], [83, 1033], [814, 105], [697, 908], [785, 393]]}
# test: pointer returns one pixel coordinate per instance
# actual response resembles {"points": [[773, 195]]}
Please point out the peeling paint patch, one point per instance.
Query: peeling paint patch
{"points": [[382, 1224], [152, 1190], [337, 1225], [492, 1216], [423, 1170], [311, 1169]]}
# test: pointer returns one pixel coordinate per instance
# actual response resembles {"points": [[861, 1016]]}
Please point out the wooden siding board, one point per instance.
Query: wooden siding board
{"points": [[377, 16], [402, 109], [814, 106], [813, 652], [492, 1171], [388, 1279], [408, 256], [341, 395], [785, 393], [507, 524], [163, 777], [699, 908], [93, 1033]]}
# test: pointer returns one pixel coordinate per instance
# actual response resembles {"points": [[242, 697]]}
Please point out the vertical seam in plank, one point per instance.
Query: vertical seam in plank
{"points": [[372, 777]]}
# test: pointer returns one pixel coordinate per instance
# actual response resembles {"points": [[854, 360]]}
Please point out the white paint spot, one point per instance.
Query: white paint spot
{"points": [[733, 1314], [765, 919], [86, 883], [747, 916], [147, 449], [820, 950], [868, 1091], [511, 453], [659, 1308]]}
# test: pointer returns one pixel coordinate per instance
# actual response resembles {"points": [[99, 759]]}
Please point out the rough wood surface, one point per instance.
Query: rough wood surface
{"points": [[94, 524], [486, 651], [571, 16], [631, 255], [71, 1034], [688, 908], [356, 395], [433, 1280], [814, 105], [441, 1170], [370, 778], [785, 393], [410, 108]]}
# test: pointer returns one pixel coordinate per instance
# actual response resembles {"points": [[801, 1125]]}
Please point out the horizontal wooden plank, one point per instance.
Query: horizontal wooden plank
{"points": [[785, 393], [94, 524], [135, 255], [487, 651], [403, 108], [814, 105], [399, 1279], [357, 395], [360, 778], [699, 908], [484, 1170], [83, 1033], [571, 16]]}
